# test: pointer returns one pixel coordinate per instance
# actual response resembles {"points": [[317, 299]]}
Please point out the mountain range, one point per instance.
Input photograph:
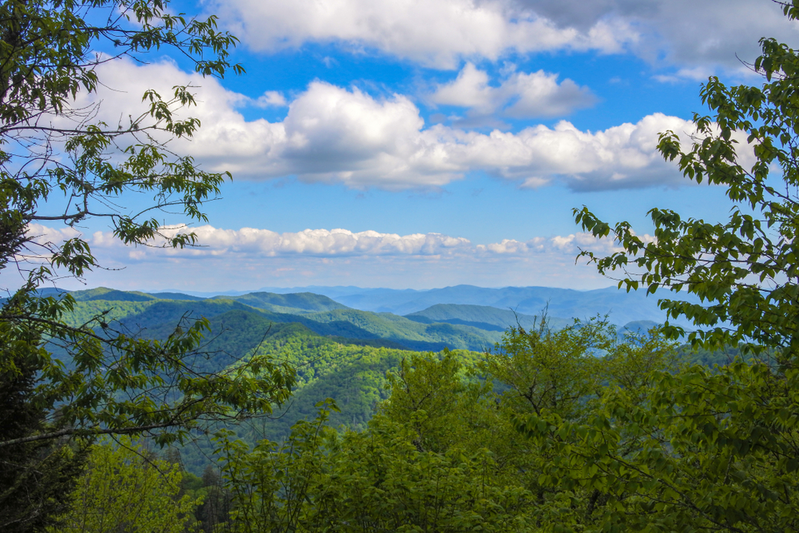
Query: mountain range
{"points": [[342, 344], [619, 306]]}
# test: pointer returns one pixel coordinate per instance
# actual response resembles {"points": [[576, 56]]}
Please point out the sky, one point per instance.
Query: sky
{"points": [[429, 143]]}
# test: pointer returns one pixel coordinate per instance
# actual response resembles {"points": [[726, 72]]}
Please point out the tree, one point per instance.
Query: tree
{"points": [[35, 477], [714, 450], [60, 165], [123, 489], [745, 269]]}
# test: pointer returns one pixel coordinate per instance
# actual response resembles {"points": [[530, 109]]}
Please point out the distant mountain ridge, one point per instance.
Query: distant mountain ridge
{"points": [[462, 316], [620, 307], [481, 316], [287, 303], [148, 315]]}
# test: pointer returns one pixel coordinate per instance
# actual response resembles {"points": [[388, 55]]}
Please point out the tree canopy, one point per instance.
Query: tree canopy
{"points": [[61, 165], [715, 449], [745, 268]]}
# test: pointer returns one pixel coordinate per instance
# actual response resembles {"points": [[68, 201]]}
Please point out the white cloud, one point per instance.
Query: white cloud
{"points": [[342, 243], [336, 135], [694, 36], [270, 99], [42, 241], [435, 33], [470, 89], [45, 234], [519, 95], [249, 258], [439, 33], [623, 156]]}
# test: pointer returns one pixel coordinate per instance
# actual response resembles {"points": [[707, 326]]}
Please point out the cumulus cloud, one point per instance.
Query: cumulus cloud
{"points": [[42, 234], [43, 240], [270, 99], [693, 35], [322, 242], [336, 135], [434, 33], [342, 243], [248, 258], [623, 156], [681, 33], [332, 134], [519, 94]]}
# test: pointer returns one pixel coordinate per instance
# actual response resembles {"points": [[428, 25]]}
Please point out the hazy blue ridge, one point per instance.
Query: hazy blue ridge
{"points": [[482, 317], [174, 296], [619, 306]]}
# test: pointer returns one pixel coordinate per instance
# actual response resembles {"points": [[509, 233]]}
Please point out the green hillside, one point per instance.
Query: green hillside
{"points": [[453, 326], [338, 353], [102, 293], [481, 316], [413, 335], [146, 315], [86, 310], [297, 303], [353, 375]]}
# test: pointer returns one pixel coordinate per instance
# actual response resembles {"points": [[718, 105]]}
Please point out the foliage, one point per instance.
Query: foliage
{"points": [[60, 165], [444, 451], [353, 375], [35, 477], [115, 378], [372, 481], [702, 449], [705, 451], [126, 489], [745, 269]]}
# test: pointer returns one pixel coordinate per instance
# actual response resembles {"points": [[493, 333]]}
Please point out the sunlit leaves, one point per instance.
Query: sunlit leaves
{"points": [[124, 488], [117, 382], [716, 448], [744, 267]]}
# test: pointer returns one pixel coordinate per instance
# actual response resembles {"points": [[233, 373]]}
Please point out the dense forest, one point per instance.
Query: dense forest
{"points": [[380, 436], [386, 437]]}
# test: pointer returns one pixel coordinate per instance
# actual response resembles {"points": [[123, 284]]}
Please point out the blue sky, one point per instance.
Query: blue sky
{"points": [[426, 143]]}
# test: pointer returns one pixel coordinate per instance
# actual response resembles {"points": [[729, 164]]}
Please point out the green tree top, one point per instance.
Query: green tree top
{"points": [[50, 147], [744, 269], [58, 164]]}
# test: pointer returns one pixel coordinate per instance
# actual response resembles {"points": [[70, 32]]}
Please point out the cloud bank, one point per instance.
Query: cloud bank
{"points": [[433, 33], [332, 134], [695, 36], [441, 33], [335, 243], [249, 258]]}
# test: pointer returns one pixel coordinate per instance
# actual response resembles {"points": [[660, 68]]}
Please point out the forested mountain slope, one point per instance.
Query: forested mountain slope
{"points": [[152, 317], [481, 317], [336, 351], [620, 307], [296, 303]]}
